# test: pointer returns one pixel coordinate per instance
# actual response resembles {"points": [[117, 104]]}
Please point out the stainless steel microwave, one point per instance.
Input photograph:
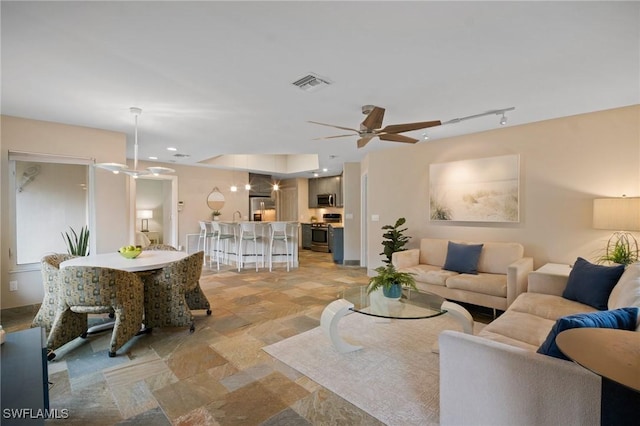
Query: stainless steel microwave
{"points": [[326, 200]]}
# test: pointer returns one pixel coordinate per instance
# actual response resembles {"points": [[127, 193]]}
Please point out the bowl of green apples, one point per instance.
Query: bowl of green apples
{"points": [[130, 252]]}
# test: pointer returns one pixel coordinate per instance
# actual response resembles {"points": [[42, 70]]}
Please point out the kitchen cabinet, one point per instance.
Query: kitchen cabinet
{"points": [[306, 236], [313, 193], [325, 185], [336, 239]]}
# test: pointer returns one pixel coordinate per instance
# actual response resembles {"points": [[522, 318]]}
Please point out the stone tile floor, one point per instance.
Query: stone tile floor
{"points": [[218, 375]]}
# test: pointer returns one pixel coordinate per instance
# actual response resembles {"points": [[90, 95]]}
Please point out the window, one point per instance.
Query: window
{"points": [[50, 194]]}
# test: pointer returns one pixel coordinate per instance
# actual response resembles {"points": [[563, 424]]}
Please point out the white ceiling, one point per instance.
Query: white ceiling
{"points": [[215, 78]]}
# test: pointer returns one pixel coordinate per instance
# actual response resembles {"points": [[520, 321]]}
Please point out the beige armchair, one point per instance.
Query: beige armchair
{"points": [[171, 292], [91, 290]]}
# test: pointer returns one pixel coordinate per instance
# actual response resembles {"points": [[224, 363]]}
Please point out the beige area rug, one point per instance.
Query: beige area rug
{"points": [[395, 377]]}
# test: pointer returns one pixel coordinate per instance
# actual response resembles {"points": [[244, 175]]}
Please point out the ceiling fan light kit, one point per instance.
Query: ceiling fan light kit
{"points": [[371, 127], [116, 168]]}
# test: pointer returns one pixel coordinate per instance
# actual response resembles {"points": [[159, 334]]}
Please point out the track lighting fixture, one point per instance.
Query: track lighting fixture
{"points": [[501, 111], [425, 136]]}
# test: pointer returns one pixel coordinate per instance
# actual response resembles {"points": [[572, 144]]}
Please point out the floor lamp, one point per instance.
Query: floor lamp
{"points": [[623, 216], [144, 215]]}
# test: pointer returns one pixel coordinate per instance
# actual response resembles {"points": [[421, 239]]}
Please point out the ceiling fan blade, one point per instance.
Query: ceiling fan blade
{"points": [[396, 138], [331, 125], [374, 119], [363, 141], [399, 128], [331, 137]]}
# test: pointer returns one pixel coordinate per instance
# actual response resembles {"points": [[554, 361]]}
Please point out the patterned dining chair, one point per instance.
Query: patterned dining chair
{"points": [[165, 247], [171, 292], [50, 267], [91, 290]]}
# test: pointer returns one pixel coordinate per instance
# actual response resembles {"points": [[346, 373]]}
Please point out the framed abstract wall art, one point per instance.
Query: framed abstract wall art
{"points": [[478, 190]]}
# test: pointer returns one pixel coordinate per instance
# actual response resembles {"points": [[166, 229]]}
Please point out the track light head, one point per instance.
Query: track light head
{"points": [[425, 136], [503, 120]]}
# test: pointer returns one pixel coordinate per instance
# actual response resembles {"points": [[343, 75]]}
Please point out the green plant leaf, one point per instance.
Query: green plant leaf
{"points": [[394, 239], [77, 245]]}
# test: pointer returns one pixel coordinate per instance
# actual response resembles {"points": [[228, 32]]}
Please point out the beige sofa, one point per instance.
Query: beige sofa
{"points": [[498, 378], [502, 272]]}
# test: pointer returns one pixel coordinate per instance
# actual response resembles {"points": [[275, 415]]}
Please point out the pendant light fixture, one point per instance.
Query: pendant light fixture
{"points": [[117, 168]]}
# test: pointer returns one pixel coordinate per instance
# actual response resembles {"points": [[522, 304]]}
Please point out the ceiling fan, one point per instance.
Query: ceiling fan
{"points": [[371, 128]]}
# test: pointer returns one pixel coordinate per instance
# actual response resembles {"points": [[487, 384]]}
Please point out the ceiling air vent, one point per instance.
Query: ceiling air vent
{"points": [[178, 155], [311, 83]]}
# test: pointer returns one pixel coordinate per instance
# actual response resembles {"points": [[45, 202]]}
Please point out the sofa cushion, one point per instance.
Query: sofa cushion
{"points": [[623, 319], [627, 291], [548, 306], [519, 327], [462, 258], [429, 274], [496, 257], [591, 284], [433, 251], [491, 284]]}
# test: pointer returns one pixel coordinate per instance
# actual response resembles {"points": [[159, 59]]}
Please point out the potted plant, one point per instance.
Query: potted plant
{"points": [[77, 245], [395, 240], [389, 278], [623, 252], [216, 214]]}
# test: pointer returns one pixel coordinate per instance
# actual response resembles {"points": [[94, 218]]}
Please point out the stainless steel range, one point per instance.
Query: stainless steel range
{"points": [[320, 232]]}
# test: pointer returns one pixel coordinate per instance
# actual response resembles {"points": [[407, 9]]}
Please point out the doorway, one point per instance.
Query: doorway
{"points": [[153, 202]]}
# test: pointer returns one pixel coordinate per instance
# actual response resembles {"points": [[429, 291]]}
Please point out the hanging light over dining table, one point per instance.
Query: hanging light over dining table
{"points": [[135, 173]]}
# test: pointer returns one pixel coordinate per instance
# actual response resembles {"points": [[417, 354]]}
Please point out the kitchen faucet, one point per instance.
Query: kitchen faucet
{"points": [[239, 215]]}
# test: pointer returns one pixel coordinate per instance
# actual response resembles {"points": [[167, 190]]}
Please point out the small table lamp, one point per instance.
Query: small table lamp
{"points": [[621, 215], [145, 215]]}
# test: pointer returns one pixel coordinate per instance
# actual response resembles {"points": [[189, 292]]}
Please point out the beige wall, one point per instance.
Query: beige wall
{"points": [[351, 216], [41, 137], [564, 164]]}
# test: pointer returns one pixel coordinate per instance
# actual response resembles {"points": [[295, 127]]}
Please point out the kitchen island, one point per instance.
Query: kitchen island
{"points": [[228, 247]]}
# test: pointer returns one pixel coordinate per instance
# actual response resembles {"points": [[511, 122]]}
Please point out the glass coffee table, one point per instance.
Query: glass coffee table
{"points": [[412, 305]]}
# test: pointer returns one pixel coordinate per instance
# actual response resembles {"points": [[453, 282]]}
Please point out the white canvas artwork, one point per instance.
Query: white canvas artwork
{"points": [[479, 190]]}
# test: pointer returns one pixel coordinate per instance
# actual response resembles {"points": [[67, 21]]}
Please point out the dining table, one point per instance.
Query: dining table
{"points": [[147, 260]]}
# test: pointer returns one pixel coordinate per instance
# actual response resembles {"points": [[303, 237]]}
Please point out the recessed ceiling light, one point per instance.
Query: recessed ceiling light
{"points": [[153, 158], [315, 174], [172, 149], [325, 170]]}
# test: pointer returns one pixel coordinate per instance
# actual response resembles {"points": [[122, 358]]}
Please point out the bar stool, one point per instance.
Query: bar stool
{"points": [[205, 234], [219, 236], [248, 234], [278, 232]]}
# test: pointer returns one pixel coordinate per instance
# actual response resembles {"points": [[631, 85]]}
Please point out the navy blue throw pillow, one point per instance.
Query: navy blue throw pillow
{"points": [[622, 319], [592, 284], [463, 258]]}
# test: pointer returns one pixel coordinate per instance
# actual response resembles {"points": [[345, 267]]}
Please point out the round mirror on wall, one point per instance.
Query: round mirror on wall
{"points": [[215, 200]]}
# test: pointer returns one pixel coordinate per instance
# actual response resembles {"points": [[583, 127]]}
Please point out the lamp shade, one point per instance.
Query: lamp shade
{"points": [[145, 214], [617, 214]]}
